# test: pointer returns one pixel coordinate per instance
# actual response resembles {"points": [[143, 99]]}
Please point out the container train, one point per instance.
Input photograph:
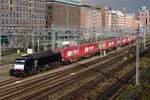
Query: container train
{"points": [[26, 65]]}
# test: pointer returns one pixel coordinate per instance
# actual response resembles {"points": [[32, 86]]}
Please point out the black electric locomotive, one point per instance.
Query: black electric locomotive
{"points": [[34, 63]]}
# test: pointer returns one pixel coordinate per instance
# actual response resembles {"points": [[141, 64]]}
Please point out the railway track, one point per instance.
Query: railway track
{"points": [[79, 76], [117, 85], [4, 67], [105, 74], [33, 87], [50, 78], [39, 97], [8, 81], [76, 65], [107, 93]]}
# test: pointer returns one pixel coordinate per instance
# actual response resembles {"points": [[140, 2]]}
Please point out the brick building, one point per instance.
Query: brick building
{"points": [[143, 16], [61, 14]]}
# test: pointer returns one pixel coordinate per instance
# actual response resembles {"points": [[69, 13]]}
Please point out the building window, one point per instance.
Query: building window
{"points": [[10, 1], [2, 15], [13, 14], [10, 8], [10, 14], [6, 21], [3, 21], [29, 4], [2, 1], [17, 22]]}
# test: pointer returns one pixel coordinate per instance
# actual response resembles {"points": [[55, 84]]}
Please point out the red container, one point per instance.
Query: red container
{"points": [[109, 44], [69, 53], [88, 49], [113, 43], [129, 40], [118, 42], [124, 40]]}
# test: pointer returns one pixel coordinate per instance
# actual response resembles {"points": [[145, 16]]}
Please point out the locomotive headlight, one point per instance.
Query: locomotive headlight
{"points": [[127, 51], [131, 55], [72, 74], [18, 82]]}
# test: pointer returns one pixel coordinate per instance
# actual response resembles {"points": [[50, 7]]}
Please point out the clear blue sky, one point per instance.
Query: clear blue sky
{"points": [[130, 5]]}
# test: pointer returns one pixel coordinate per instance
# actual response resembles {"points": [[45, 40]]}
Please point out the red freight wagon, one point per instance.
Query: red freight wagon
{"points": [[118, 42], [124, 40], [88, 49], [129, 39], [109, 44], [113, 42], [69, 53], [104, 45]]}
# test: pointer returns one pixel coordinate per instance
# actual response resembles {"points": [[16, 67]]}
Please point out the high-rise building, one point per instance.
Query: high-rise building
{"points": [[114, 20], [106, 18], [22, 14], [121, 20], [118, 19], [143, 16], [91, 17], [130, 21]]}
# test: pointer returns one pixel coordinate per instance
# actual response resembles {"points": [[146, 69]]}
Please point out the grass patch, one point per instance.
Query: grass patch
{"points": [[11, 57], [127, 94], [131, 90]]}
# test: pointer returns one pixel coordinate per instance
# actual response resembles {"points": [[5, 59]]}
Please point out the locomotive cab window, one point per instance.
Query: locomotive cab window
{"points": [[20, 62], [19, 65]]}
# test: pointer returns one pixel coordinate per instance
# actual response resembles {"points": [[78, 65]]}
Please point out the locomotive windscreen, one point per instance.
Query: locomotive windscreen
{"points": [[19, 65]]}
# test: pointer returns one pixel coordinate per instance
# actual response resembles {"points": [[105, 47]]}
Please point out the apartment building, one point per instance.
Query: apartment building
{"points": [[91, 17], [121, 19], [130, 21], [22, 14], [118, 19], [106, 18]]}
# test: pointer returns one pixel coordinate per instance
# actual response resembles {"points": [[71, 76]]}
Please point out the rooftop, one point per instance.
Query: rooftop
{"points": [[75, 2]]}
